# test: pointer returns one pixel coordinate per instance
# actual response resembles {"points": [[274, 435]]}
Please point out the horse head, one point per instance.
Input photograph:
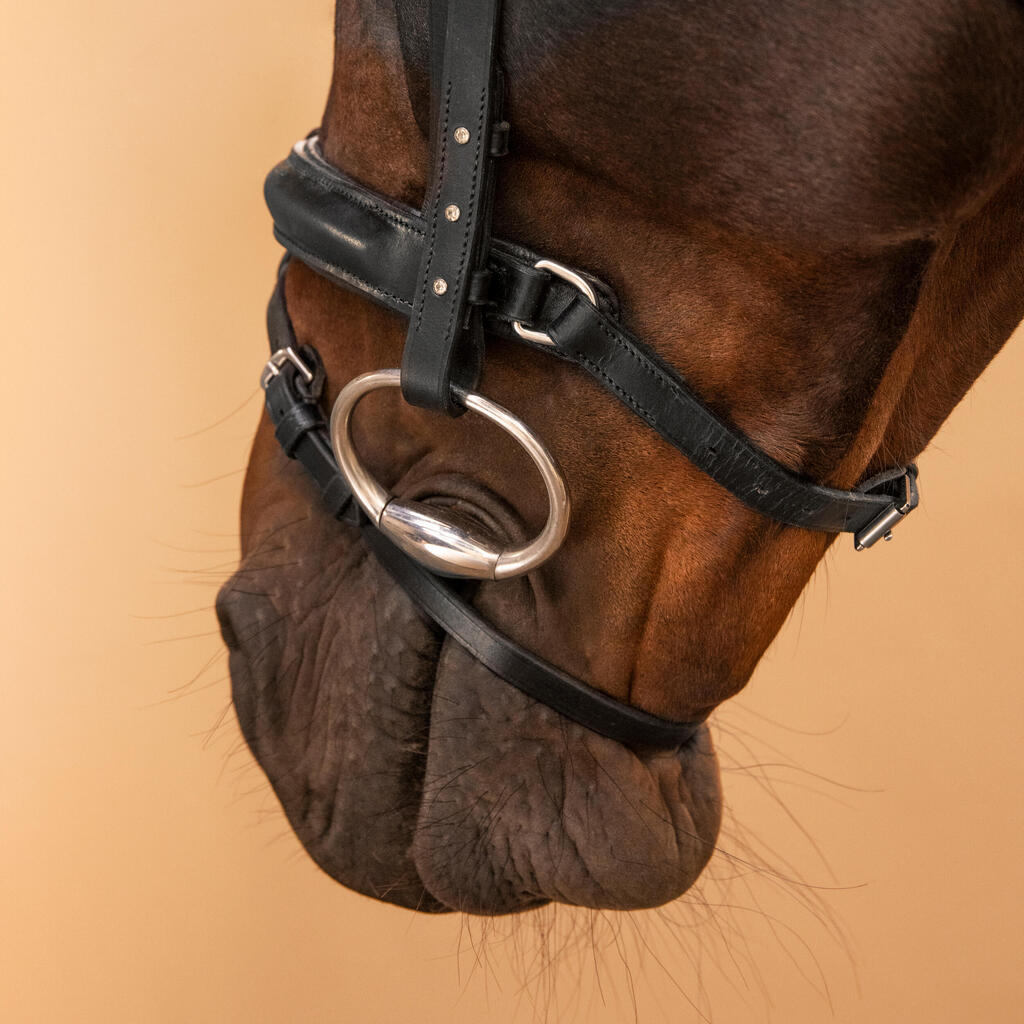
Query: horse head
{"points": [[812, 213]]}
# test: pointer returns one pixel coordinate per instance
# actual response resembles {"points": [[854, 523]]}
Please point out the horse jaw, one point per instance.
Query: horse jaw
{"points": [[412, 774]]}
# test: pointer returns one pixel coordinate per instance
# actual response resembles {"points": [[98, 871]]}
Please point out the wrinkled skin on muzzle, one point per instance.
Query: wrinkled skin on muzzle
{"points": [[802, 210], [412, 774]]}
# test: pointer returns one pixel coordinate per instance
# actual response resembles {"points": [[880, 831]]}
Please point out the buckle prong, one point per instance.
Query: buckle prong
{"points": [[278, 359]]}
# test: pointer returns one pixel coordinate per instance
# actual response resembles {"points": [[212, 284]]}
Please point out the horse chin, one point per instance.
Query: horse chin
{"points": [[413, 775], [521, 806]]}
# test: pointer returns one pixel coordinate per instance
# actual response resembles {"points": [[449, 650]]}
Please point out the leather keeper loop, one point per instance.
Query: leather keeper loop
{"points": [[499, 139], [295, 424], [338, 499], [524, 294], [479, 293]]}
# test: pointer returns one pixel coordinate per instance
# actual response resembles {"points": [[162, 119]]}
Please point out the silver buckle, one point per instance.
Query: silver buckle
{"points": [[273, 366], [881, 527], [566, 274]]}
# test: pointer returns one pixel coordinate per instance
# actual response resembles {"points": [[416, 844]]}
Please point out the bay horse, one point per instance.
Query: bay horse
{"points": [[813, 211]]}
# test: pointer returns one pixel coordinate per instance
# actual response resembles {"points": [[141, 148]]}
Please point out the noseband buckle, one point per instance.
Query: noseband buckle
{"points": [[566, 274], [436, 538], [278, 360]]}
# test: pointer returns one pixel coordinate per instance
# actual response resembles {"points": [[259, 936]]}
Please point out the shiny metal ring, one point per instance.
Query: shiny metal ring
{"points": [[433, 536], [566, 274]]}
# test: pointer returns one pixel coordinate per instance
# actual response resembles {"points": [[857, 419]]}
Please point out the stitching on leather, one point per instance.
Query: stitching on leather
{"points": [[338, 186], [624, 395], [662, 379], [467, 230], [659, 376], [443, 158], [345, 275]]}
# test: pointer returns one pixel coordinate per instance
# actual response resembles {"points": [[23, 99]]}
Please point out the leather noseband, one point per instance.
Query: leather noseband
{"points": [[440, 268]]}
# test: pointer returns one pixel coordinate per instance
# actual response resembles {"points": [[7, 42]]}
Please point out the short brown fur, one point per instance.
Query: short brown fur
{"points": [[814, 212]]}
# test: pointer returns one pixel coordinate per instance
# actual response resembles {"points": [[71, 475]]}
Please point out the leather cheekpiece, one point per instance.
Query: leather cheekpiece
{"points": [[444, 343]]}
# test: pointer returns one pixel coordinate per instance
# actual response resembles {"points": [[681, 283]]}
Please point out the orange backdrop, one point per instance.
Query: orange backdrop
{"points": [[871, 862]]}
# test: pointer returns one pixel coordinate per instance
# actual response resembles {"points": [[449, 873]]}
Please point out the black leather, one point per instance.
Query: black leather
{"points": [[452, 281], [444, 343], [368, 243], [294, 408], [526, 671], [659, 396], [374, 245]]}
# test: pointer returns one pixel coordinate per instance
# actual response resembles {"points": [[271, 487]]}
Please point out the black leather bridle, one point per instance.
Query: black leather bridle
{"points": [[441, 268]]}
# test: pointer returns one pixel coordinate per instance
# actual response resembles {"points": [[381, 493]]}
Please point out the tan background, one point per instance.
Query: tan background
{"points": [[145, 873]]}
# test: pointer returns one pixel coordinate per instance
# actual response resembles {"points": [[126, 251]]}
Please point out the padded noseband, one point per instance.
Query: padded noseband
{"points": [[440, 268]]}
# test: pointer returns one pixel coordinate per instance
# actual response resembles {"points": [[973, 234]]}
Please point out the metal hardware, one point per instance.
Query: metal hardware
{"points": [[881, 527], [461, 135], [440, 286], [452, 212], [436, 537], [566, 274], [278, 359]]}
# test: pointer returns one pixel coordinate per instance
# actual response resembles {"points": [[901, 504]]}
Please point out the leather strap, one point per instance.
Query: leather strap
{"points": [[444, 344], [373, 245], [293, 405], [442, 270], [532, 675], [636, 375]]}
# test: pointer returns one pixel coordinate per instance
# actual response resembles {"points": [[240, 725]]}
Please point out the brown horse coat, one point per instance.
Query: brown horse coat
{"points": [[814, 212]]}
